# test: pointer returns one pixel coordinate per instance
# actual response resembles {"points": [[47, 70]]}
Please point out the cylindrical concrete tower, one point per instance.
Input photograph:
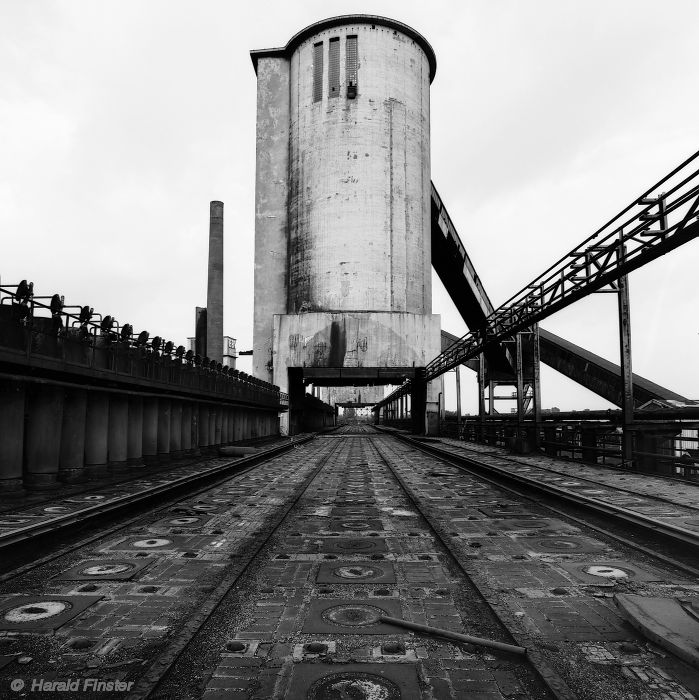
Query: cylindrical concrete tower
{"points": [[359, 149], [342, 220]]}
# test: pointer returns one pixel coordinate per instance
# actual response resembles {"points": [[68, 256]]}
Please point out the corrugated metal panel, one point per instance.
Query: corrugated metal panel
{"points": [[334, 68], [352, 60], [318, 72]]}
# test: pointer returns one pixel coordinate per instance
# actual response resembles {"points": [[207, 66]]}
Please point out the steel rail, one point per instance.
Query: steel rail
{"points": [[160, 666], [671, 532], [508, 458], [66, 521], [552, 680]]}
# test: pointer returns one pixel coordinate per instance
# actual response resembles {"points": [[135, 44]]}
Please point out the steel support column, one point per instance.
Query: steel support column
{"points": [[418, 400], [536, 384], [481, 396], [519, 368], [625, 363], [458, 401]]}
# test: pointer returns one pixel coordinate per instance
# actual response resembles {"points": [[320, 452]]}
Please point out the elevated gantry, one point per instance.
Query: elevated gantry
{"points": [[342, 221]]}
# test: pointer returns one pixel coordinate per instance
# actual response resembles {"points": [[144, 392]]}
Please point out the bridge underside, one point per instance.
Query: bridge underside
{"points": [[458, 275], [356, 376]]}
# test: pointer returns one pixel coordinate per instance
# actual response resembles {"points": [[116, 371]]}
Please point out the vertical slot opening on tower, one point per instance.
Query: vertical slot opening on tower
{"points": [[351, 66], [318, 72], [334, 68]]}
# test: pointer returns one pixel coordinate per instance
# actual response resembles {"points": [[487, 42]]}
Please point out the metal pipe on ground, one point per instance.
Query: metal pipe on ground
{"points": [[456, 636]]}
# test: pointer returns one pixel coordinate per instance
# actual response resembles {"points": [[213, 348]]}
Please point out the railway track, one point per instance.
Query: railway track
{"points": [[657, 525], [26, 524], [273, 583]]}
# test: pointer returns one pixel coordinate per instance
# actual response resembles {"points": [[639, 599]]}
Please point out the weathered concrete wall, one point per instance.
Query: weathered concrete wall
{"points": [[353, 340], [359, 200], [351, 394], [271, 187]]}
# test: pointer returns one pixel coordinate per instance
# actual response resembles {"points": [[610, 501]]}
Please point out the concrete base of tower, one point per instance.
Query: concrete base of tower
{"points": [[352, 348]]}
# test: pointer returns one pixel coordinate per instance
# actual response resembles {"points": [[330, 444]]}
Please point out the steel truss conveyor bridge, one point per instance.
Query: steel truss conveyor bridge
{"points": [[663, 218]]}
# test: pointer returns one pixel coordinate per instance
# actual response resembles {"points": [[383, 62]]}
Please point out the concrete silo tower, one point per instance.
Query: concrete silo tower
{"points": [[342, 230]]}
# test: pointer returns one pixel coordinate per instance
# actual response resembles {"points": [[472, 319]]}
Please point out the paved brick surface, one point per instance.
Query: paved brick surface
{"points": [[545, 593], [260, 643]]}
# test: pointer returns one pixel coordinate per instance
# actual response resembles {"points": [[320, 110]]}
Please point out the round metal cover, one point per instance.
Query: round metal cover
{"points": [[611, 572], [353, 615], [32, 612], [355, 545], [56, 509], [83, 499], [355, 525], [105, 569], [353, 685], [559, 545], [153, 542], [528, 524], [203, 507], [358, 572], [184, 521]]}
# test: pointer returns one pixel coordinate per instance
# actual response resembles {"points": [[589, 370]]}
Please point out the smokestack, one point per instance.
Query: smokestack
{"points": [[214, 295]]}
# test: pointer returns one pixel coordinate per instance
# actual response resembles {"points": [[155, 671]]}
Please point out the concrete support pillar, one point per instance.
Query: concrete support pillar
{"points": [[164, 411], [203, 427], [229, 426], [150, 430], [237, 425], [213, 413], [297, 395], [186, 428], [219, 437], [96, 434], [71, 462], [176, 451], [134, 446], [43, 443], [12, 400], [118, 440], [194, 430]]}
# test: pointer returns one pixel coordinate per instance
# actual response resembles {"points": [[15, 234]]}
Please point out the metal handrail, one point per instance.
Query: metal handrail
{"points": [[81, 326]]}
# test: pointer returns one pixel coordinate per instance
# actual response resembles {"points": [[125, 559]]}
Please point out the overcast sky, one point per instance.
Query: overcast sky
{"points": [[121, 120]]}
